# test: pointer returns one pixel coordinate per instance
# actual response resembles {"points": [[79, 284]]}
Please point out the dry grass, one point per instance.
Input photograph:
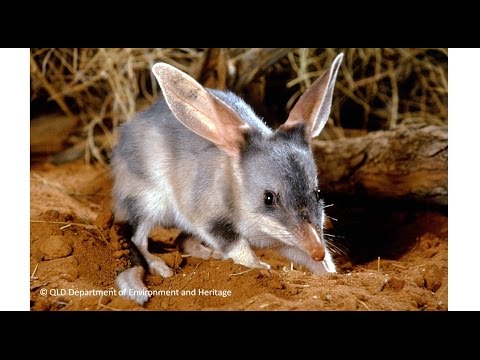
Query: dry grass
{"points": [[96, 85], [397, 86], [102, 87]]}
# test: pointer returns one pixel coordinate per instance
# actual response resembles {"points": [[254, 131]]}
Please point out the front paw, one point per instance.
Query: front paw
{"points": [[264, 265], [322, 268]]}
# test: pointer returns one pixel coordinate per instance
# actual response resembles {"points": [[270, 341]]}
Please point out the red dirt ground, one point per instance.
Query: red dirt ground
{"points": [[75, 247]]}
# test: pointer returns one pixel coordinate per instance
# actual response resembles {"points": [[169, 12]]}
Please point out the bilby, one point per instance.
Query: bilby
{"points": [[202, 161]]}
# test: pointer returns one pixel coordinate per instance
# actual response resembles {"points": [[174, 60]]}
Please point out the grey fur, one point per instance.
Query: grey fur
{"points": [[165, 174]]}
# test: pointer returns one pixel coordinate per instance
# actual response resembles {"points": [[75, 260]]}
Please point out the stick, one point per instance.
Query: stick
{"points": [[241, 273], [34, 271]]}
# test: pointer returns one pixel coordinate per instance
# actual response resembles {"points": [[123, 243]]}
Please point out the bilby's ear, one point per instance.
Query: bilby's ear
{"points": [[313, 107], [200, 111]]}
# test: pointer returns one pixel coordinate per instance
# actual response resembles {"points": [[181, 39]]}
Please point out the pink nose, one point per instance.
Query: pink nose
{"points": [[318, 254]]}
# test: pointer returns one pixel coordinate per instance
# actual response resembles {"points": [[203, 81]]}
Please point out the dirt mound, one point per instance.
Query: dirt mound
{"points": [[77, 251]]}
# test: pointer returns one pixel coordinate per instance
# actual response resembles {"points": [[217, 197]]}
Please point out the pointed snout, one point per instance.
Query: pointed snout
{"points": [[318, 254], [313, 243]]}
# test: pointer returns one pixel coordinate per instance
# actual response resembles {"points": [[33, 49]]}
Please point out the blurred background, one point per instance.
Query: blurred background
{"points": [[79, 97]]}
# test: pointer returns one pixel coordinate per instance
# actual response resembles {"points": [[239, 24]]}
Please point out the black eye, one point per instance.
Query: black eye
{"points": [[317, 194], [270, 198]]}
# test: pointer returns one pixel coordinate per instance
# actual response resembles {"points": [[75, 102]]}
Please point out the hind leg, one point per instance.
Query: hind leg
{"points": [[189, 244], [156, 265]]}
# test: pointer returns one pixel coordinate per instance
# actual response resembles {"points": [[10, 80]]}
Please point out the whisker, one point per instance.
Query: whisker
{"points": [[334, 236], [337, 248]]}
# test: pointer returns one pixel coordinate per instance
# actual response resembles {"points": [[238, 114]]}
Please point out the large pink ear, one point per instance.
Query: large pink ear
{"points": [[202, 112], [313, 107]]}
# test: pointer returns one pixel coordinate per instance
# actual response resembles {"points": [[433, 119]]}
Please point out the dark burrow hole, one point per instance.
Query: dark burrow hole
{"points": [[365, 228]]}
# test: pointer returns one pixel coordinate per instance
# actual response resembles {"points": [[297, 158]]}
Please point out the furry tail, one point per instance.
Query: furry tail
{"points": [[130, 281], [130, 284]]}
